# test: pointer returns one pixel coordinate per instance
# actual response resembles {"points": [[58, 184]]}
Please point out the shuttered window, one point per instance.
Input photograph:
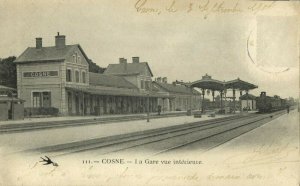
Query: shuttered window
{"points": [[83, 77], [77, 76], [69, 75]]}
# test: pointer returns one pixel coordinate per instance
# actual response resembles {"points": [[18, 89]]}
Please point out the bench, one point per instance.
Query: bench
{"points": [[197, 115], [212, 114]]}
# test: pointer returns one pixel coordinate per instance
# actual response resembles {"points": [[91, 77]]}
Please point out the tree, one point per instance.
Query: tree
{"points": [[93, 67], [8, 72]]}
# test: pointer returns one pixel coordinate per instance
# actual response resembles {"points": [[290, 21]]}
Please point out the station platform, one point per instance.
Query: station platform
{"points": [[268, 155], [86, 118], [41, 138]]}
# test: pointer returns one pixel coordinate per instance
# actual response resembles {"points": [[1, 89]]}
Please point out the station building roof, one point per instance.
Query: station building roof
{"points": [[45, 54], [174, 88], [113, 91], [128, 68], [111, 85], [208, 83], [240, 84], [109, 81]]}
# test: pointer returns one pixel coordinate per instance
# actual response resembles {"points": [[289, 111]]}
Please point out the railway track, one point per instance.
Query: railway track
{"points": [[24, 127], [168, 139]]}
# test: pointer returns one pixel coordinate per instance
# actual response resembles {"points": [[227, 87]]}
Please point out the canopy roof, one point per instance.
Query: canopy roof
{"points": [[175, 88], [109, 81], [4, 88], [239, 84], [98, 90], [247, 97], [10, 99], [208, 83]]}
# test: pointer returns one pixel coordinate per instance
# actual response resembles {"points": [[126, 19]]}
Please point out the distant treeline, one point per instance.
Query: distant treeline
{"points": [[8, 72], [93, 67]]}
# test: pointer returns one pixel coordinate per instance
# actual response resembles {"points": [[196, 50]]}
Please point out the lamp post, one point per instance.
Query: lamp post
{"points": [[221, 104], [148, 101], [148, 112], [233, 93], [12, 105], [191, 100]]}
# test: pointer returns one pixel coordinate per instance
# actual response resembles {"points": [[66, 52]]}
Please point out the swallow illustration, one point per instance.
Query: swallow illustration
{"points": [[48, 161]]}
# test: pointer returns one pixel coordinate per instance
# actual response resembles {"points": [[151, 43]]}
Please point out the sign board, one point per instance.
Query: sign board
{"points": [[40, 74]]}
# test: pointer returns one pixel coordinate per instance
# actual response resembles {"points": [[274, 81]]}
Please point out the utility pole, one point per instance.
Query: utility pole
{"points": [[148, 105], [148, 101]]}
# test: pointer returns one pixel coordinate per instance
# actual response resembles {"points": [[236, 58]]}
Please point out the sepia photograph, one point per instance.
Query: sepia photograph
{"points": [[149, 92]]}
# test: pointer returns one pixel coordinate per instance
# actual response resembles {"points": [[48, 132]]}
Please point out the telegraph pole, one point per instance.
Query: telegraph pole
{"points": [[148, 105]]}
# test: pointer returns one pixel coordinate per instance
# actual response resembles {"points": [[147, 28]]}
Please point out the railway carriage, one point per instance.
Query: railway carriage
{"points": [[268, 104]]}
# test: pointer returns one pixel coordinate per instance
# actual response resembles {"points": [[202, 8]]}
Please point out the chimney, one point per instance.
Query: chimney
{"points": [[122, 60], [135, 59], [38, 42], [60, 40], [164, 80]]}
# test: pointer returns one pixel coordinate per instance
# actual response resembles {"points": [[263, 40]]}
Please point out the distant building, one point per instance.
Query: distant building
{"points": [[138, 73], [248, 102], [179, 96], [11, 107]]}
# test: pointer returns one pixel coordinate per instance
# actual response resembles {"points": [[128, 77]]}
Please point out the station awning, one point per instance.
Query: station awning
{"points": [[208, 83], [108, 92], [10, 99], [5, 88], [247, 97], [239, 84]]}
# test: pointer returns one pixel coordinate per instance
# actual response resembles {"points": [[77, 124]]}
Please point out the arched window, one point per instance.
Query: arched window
{"points": [[69, 75]]}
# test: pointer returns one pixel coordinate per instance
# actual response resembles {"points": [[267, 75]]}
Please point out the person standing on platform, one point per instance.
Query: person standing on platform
{"points": [[288, 109], [159, 109]]}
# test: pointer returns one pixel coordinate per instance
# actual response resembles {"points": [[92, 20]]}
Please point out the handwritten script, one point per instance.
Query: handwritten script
{"points": [[266, 154], [205, 7]]}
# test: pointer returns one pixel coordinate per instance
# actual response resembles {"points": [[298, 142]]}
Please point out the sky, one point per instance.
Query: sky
{"points": [[177, 44]]}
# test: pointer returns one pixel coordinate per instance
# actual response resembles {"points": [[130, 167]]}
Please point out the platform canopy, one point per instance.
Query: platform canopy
{"points": [[7, 91], [4, 88], [208, 83], [239, 84], [247, 97]]}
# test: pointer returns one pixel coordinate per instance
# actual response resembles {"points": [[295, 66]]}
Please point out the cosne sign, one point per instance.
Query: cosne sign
{"points": [[40, 74]]}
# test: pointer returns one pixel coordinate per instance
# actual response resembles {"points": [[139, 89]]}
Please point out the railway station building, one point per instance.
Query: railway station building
{"points": [[58, 77], [179, 98]]}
